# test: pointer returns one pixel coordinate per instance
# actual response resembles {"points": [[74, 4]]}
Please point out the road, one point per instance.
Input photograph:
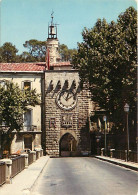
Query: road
{"points": [[85, 176]]}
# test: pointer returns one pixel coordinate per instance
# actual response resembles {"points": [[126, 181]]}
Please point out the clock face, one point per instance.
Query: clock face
{"points": [[66, 100]]}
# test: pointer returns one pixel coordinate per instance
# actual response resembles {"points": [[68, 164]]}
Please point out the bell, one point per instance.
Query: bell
{"points": [[52, 30]]}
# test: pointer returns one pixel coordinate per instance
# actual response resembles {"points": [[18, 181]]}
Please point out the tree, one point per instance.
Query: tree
{"points": [[66, 54], [37, 50], [0, 54], [26, 57], [106, 59], [8, 53], [13, 103]]}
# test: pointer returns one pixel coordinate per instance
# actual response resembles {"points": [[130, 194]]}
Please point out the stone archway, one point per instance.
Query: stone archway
{"points": [[67, 145]]}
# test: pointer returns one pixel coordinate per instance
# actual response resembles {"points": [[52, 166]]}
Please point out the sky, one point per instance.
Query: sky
{"points": [[22, 20]]}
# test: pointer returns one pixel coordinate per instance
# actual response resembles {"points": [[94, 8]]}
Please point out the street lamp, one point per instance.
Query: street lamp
{"points": [[104, 119], [126, 109]]}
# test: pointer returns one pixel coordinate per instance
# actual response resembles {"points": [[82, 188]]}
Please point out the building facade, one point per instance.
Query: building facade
{"points": [[66, 114], [30, 135]]}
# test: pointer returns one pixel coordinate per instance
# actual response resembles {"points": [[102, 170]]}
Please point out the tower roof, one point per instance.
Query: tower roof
{"points": [[52, 29]]}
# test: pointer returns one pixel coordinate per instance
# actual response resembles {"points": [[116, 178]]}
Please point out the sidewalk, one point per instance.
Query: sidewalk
{"points": [[24, 181], [130, 165]]}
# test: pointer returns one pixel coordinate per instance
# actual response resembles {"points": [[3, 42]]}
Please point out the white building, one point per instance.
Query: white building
{"points": [[26, 75]]}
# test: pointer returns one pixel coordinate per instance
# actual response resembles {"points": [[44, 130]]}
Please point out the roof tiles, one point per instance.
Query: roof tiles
{"points": [[31, 67]]}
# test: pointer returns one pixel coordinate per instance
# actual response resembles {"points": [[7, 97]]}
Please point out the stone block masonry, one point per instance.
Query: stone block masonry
{"points": [[66, 112]]}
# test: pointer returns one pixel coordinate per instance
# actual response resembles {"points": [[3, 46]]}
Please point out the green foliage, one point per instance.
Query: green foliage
{"points": [[37, 50], [66, 54], [13, 103], [8, 53], [106, 59], [25, 57]]}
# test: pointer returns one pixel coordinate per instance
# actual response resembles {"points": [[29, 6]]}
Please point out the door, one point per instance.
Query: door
{"points": [[67, 145], [28, 142]]}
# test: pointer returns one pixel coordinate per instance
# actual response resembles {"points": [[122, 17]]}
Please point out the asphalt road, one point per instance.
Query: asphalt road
{"points": [[85, 176]]}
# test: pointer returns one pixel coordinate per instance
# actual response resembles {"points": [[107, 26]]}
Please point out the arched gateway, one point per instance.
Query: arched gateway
{"points": [[67, 145]]}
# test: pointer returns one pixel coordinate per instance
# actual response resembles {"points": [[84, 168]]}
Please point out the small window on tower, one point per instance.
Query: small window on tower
{"points": [[27, 85]]}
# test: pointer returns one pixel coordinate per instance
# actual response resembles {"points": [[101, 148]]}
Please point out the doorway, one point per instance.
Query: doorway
{"points": [[28, 142], [67, 145]]}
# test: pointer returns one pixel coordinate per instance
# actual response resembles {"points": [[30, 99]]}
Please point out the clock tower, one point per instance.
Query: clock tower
{"points": [[66, 106]]}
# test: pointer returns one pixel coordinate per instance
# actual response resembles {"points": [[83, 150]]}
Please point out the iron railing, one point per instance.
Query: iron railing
{"points": [[18, 164], [119, 154], [133, 156], [2, 173]]}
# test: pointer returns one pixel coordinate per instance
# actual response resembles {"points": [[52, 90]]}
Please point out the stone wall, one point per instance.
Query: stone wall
{"points": [[67, 110]]}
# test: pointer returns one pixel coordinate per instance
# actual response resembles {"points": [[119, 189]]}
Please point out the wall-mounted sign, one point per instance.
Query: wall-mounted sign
{"points": [[66, 120]]}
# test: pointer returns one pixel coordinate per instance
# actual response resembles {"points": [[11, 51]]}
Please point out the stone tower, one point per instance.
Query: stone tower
{"points": [[66, 107], [52, 43]]}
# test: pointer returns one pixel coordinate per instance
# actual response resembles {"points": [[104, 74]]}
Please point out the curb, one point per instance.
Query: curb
{"points": [[118, 163]]}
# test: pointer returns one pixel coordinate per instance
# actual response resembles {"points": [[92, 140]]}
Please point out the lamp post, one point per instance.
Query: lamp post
{"points": [[126, 109], [104, 119]]}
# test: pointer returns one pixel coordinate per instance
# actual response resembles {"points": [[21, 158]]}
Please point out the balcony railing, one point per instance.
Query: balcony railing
{"points": [[32, 128], [29, 128]]}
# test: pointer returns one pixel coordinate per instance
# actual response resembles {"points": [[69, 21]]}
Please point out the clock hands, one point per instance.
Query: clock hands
{"points": [[64, 96], [67, 96], [66, 100]]}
